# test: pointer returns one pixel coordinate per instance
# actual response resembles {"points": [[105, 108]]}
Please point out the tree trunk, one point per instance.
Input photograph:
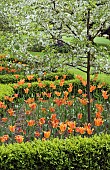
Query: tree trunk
{"points": [[88, 68], [88, 87]]}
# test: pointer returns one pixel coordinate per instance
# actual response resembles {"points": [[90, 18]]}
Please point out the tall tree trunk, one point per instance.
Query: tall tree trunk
{"points": [[88, 68], [88, 87]]}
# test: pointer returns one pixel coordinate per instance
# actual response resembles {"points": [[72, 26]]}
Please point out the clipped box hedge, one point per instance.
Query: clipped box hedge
{"points": [[5, 90], [36, 89], [7, 78], [76, 153]]}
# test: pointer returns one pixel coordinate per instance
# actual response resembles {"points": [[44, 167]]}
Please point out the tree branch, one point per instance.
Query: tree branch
{"points": [[71, 65], [72, 31], [100, 29]]}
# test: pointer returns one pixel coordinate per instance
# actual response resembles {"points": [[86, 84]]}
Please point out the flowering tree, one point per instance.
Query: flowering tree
{"points": [[74, 23]]}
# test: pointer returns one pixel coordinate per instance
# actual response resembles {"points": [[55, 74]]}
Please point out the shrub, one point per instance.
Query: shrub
{"points": [[58, 154], [5, 90]]}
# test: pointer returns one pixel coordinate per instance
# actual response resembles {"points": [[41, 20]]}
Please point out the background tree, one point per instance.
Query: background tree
{"points": [[57, 24]]}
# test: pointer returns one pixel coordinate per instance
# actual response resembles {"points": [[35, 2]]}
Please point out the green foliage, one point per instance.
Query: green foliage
{"points": [[35, 87], [41, 24], [5, 79], [101, 41], [58, 154], [5, 90]]}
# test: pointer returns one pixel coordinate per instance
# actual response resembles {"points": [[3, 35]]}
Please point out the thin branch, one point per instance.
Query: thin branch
{"points": [[71, 30], [71, 65], [82, 70], [100, 29], [88, 22]]}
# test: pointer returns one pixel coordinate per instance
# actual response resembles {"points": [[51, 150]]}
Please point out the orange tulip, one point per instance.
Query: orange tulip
{"points": [[65, 93], [30, 77], [57, 93], [28, 112], [99, 86], [44, 73], [12, 128], [79, 116], [37, 134], [99, 107], [11, 111], [62, 82], [64, 76], [21, 82], [63, 127], [2, 105], [83, 101], [77, 129], [16, 76], [40, 84], [48, 95], [70, 130], [79, 77], [70, 89], [43, 109], [29, 85], [16, 95], [89, 131], [82, 130], [84, 95], [69, 103], [4, 119], [104, 94], [31, 122], [79, 91], [42, 121], [29, 100], [11, 99], [47, 134], [98, 115], [87, 126], [56, 77], [4, 138], [19, 138], [52, 86], [92, 88], [54, 123], [60, 102], [52, 109], [2, 68], [26, 90], [15, 86], [39, 80], [84, 82], [53, 117], [98, 121], [33, 106], [71, 124], [70, 85]]}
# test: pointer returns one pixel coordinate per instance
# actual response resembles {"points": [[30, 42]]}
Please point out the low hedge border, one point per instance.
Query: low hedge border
{"points": [[11, 78], [58, 154], [36, 89], [5, 90]]}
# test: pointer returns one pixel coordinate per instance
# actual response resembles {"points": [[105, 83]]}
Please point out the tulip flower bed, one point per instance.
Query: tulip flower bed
{"points": [[53, 113]]}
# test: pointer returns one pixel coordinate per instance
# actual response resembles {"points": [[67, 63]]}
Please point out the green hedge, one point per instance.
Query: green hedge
{"points": [[11, 78], [76, 153], [5, 90], [36, 89]]}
